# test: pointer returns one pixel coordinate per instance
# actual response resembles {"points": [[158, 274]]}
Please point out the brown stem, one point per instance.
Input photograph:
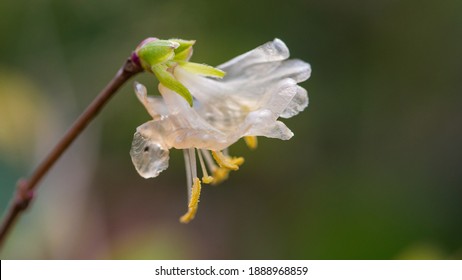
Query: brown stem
{"points": [[25, 187]]}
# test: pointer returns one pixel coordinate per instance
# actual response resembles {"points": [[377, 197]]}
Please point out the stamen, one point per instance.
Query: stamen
{"points": [[188, 172], [192, 162], [220, 174], [227, 162], [206, 178], [193, 202], [237, 160], [208, 159], [251, 142]]}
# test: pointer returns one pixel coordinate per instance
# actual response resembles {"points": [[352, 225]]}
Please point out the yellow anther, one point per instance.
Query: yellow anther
{"points": [[220, 174], [227, 162], [207, 179], [237, 160], [193, 203], [251, 142]]}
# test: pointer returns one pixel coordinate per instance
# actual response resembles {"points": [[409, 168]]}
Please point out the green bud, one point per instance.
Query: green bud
{"points": [[153, 51], [184, 50]]}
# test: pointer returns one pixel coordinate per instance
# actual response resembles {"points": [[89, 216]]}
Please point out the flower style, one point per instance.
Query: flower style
{"points": [[203, 112]]}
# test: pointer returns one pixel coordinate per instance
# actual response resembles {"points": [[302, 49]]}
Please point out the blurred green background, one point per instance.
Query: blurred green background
{"points": [[373, 172]]}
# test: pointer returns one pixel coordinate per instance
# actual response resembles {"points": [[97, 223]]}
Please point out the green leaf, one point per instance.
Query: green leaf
{"points": [[168, 80], [202, 69]]}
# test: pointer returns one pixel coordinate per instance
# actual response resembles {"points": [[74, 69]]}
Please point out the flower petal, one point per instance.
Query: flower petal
{"points": [[280, 96], [261, 123], [275, 50], [292, 68], [202, 88], [298, 103], [149, 154], [154, 105], [189, 127]]}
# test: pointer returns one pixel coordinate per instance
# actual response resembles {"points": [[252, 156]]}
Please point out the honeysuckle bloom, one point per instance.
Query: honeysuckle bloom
{"points": [[203, 112]]}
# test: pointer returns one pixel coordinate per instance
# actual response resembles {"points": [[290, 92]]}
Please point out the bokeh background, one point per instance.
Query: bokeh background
{"points": [[373, 172]]}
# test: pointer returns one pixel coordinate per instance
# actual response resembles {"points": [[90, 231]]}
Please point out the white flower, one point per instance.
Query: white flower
{"points": [[259, 87]]}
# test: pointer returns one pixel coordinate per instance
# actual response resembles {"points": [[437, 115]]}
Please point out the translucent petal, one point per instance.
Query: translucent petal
{"points": [[261, 123], [293, 68], [154, 105], [263, 74], [149, 155], [298, 103], [236, 110], [275, 50], [280, 96], [249, 90], [189, 127], [202, 88], [278, 130]]}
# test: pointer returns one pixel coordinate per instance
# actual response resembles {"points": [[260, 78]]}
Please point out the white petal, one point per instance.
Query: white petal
{"points": [[190, 128], [263, 74], [154, 105], [220, 105], [253, 87], [250, 108], [280, 97], [278, 130], [149, 154], [261, 123], [293, 68], [298, 103], [275, 50], [202, 88]]}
